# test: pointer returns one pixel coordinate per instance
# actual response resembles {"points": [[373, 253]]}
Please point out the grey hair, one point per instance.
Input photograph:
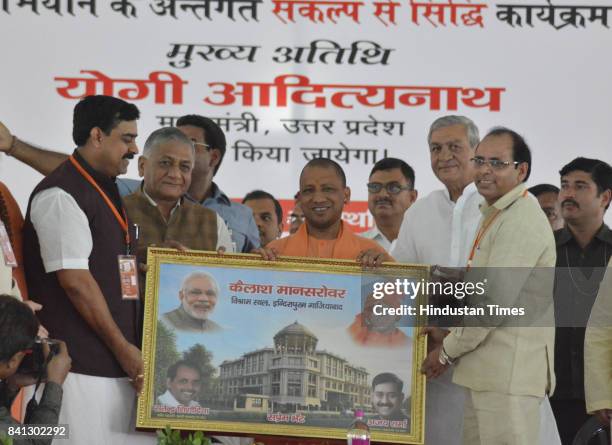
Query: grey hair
{"points": [[201, 274], [447, 121], [163, 135]]}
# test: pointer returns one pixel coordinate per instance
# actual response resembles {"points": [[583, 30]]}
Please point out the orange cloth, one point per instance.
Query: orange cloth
{"points": [[363, 336], [15, 222], [346, 246], [15, 219]]}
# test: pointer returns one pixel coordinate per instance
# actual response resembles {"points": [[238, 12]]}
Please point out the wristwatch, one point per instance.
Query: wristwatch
{"points": [[444, 358]]}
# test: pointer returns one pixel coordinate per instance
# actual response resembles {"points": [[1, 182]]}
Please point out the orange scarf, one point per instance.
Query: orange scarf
{"points": [[347, 244]]}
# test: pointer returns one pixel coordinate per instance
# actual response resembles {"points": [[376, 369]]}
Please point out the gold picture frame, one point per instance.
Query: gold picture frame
{"points": [[261, 371]]}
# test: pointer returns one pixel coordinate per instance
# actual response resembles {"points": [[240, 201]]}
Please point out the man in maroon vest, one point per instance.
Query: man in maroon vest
{"points": [[75, 234]]}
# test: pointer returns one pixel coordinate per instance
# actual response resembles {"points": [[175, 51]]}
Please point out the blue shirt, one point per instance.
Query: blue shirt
{"points": [[238, 217]]}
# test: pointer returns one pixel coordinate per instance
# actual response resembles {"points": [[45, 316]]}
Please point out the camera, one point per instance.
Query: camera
{"points": [[35, 362]]}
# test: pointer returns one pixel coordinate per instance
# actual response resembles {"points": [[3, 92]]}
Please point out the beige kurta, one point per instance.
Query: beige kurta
{"points": [[518, 250], [598, 349], [509, 369]]}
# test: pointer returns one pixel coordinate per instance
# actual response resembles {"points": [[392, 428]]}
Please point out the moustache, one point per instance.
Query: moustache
{"points": [[128, 156], [383, 201], [570, 201], [387, 405]]}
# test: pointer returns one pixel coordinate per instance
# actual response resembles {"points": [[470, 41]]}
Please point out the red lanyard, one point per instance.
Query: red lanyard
{"points": [[481, 233], [123, 221]]}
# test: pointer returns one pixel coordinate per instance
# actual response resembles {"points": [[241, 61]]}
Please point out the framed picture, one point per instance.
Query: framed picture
{"points": [[234, 344]]}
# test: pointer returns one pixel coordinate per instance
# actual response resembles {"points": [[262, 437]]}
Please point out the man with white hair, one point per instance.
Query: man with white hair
{"points": [[198, 296], [439, 229], [158, 206], [451, 213]]}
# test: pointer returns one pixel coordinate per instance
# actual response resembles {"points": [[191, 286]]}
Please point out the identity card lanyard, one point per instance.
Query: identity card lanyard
{"points": [[481, 233], [127, 263]]}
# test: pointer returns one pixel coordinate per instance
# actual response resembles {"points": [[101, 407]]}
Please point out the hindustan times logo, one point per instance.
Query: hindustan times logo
{"points": [[412, 288]]}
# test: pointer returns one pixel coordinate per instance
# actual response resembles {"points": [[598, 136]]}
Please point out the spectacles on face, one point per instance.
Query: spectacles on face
{"points": [[206, 146], [496, 164], [393, 188]]}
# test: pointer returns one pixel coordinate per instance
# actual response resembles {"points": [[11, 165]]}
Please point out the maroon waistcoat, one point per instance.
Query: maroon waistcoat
{"points": [[89, 353]]}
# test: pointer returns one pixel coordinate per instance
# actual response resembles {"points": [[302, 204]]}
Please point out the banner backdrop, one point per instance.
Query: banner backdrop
{"points": [[290, 80]]}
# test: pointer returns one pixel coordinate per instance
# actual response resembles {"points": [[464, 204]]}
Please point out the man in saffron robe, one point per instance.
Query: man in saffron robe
{"points": [[369, 329], [322, 196]]}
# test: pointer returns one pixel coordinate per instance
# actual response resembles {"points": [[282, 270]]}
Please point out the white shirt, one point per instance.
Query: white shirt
{"points": [[64, 234], [375, 234], [63, 230], [436, 230], [167, 399]]}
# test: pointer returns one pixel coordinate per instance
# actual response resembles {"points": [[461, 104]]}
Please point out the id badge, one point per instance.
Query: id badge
{"points": [[7, 249], [128, 275]]}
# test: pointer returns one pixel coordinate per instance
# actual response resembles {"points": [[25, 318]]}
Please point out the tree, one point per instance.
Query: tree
{"points": [[200, 356], [166, 354]]}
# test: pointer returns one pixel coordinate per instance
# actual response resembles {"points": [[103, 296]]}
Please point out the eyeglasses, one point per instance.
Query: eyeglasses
{"points": [[393, 188], [496, 164], [206, 146]]}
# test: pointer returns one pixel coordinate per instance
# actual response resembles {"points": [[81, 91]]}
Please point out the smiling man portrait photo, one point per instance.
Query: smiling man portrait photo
{"points": [[183, 384], [198, 297], [387, 396]]}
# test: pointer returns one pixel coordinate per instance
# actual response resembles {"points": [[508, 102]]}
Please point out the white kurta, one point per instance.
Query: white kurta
{"points": [[376, 235], [438, 231], [98, 411], [435, 230]]}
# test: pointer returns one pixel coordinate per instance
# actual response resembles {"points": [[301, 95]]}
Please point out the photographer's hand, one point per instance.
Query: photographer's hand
{"points": [[18, 381], [60, 365], [42, 332]]}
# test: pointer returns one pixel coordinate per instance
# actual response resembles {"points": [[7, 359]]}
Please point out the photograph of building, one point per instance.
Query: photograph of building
{"points": [[294, 376]]}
